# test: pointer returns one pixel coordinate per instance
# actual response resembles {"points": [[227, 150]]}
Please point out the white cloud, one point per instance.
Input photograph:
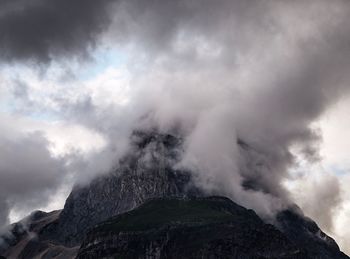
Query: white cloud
{"points": [[322, 189], [336, 136]]}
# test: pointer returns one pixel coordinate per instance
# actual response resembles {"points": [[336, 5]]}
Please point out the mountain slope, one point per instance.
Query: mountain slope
{"points": [[23, 239], [213, 227], [306, 234]]}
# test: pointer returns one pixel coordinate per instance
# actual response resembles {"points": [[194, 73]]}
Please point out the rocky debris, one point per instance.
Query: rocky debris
{"points": [[213, 227]]}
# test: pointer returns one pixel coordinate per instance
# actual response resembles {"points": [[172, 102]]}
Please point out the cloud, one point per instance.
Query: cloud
{"points": [[320, 196], [269, 78], [39, 30], [336, 138], [28, 172], [38, 163], [324, 197], [341, 216], [221, 72]]}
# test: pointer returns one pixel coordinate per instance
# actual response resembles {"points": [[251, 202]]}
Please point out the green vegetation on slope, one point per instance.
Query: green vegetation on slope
{"points": [[161, 212], [212, 227]]}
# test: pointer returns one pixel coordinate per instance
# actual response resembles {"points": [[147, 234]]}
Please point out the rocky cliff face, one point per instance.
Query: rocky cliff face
{"points": [[146, 172]]}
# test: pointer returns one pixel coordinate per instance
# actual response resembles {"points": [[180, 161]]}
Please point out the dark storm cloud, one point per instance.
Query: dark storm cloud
{"points": [[43, 29], [157, 25], [294, 54]]}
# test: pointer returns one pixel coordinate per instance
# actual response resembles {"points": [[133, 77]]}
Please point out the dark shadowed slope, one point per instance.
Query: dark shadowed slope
{"points": [[213, 227]]}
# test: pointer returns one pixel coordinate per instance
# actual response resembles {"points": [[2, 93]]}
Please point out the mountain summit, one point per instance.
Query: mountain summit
{"points": [[145, 208]]}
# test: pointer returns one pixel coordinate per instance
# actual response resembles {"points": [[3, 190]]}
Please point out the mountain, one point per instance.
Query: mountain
{"points": [[145, 174]]}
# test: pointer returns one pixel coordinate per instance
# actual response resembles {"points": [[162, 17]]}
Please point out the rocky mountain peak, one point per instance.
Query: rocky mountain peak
{"points": [[146, 173]]}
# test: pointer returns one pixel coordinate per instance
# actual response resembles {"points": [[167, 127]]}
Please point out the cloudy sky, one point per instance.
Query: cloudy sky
{"points": [[77, 76]]}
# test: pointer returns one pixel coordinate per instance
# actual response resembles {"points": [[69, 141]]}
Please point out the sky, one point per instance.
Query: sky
{"points": [[77, 77]]}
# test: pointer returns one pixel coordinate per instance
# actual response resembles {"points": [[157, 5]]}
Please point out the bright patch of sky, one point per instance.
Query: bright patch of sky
{"points": [[336, 136], [105, 59], [40, 95]]}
